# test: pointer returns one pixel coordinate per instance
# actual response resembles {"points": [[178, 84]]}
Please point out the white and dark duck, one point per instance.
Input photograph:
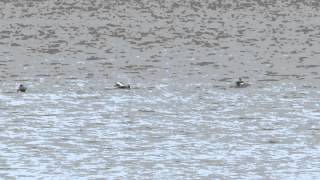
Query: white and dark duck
{"points": [[241, 84], [120, 85], [21, 88]]}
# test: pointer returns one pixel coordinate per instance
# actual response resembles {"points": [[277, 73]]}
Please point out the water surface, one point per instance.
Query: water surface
{"points": [[182, 119]]}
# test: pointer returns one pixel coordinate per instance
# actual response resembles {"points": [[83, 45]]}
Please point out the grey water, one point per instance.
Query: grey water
{"points": [[182, 118]]}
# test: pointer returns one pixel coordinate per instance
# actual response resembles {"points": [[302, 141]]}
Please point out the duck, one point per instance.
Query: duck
{"points": [[21, 88], [120, 85], [241, 84]]}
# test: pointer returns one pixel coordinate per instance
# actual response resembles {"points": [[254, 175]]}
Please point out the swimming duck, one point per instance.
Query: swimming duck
{"points": [[240, 83], [121, 85], [21, 88]]}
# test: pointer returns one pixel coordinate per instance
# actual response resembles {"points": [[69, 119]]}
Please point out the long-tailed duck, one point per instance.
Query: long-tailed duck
{"points": [[121, 85], [241, 84], [21, 88]]}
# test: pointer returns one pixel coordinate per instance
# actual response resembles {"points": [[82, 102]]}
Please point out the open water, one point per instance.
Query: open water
{"points": [[182, 119]]}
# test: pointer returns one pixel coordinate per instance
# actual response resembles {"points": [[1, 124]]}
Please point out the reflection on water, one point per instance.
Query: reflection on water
{"points": [[162, 132], [182, 119]]}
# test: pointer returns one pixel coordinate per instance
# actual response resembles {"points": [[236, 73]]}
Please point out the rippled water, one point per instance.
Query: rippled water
{"points": [[182, 119]]}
